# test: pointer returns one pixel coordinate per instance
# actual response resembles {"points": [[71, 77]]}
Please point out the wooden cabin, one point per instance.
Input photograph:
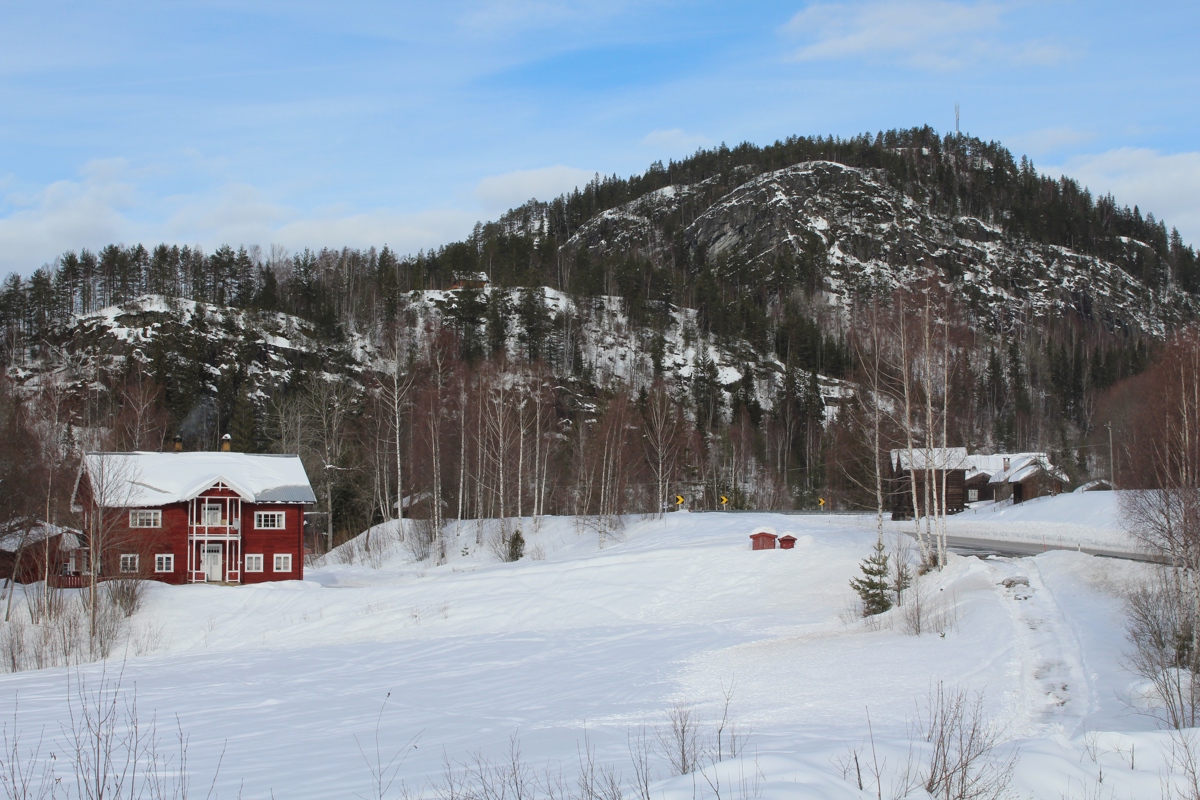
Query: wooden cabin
{"points": [[1024, 476], [195, 517], [470, 280], [44, 552], [938, 466]]}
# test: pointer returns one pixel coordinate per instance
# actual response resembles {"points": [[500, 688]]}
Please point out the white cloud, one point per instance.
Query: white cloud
{"points": [[931, 34], [1048, 140], [104, 206], [498, 193], [403, 232], [675, 141], [66, 215], [1162, 183]]}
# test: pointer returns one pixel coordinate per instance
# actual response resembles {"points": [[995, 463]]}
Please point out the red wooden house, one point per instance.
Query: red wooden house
{"points": [[195, 517], [44, 552]]}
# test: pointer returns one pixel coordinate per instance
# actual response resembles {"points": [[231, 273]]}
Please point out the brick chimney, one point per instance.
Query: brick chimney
{"points": [[178, 443], [226, 443]]}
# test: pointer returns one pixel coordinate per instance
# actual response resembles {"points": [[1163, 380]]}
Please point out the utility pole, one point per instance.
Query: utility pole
{"points": [[1112, 464]]}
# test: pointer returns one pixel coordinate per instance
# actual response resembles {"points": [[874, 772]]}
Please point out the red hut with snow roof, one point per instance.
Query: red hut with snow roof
{"points": [[763, 539], [195, 517]]}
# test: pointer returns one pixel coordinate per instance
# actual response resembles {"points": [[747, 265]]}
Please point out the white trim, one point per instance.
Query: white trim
{"points": [[284, 559], [254, 562], [164, 562], [132, 567]]}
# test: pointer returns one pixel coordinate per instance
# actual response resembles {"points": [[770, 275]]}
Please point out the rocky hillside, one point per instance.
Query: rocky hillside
{"points": [[868, 236]]}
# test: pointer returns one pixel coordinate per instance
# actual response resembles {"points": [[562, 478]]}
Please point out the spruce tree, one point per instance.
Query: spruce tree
{"points": [[243, 428], [874, 587], [516, 546]]}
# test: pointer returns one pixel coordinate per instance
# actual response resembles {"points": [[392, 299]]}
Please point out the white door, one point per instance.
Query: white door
{"points": [[210, 562], [212, 514]]}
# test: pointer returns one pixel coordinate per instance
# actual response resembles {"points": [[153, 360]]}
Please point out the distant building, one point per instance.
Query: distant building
{"points": [[943, 466], [968, 478], [196, 517], [470, 280], [44, 552], [1024, 476]]}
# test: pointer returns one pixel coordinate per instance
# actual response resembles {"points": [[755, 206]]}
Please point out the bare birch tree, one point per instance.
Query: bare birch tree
{"points": [[660, 441]]}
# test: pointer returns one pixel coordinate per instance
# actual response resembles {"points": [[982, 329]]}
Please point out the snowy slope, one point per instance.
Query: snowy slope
{"points": [[284, 677]]}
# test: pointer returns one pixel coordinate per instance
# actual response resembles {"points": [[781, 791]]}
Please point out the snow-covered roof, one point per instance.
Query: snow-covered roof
{"points": [[142, 479], [1019, 465], [1024, 465], [932, 458], [43, 530]]}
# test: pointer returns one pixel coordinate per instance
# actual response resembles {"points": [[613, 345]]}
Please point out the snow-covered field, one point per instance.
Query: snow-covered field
{"points": [[289, 679]]}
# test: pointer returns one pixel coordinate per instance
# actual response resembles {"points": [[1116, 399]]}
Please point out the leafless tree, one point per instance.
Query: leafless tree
{"points": [[326, 407], [679, 738], [962, 762], [660, 440], [396, 385], [106, 495]]}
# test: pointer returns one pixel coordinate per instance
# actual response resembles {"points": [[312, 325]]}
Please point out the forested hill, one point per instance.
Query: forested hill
{"points": [[736, 280], [976, 190]]}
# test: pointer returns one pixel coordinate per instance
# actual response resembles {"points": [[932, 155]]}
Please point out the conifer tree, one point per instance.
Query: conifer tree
{"points": [[243, 428], [874, 587]]}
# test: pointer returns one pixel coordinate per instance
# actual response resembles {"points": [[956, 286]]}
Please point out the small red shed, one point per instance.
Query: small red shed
{"points": [[763, 539], [787, 542]]}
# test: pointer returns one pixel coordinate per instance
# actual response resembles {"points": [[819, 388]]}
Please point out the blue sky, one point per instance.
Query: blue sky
{"points": [[300, 123]]}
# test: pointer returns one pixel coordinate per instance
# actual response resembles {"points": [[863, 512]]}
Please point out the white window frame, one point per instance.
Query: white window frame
{"points": [[285, 559], [216, 509], [972, 495], [254, 562], [262, 517], [164, 562], [145, 518], [136, 563]]}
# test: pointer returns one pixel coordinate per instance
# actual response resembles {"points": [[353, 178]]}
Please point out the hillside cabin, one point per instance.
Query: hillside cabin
{"points": [[470, 280], [195, 517], [1024, 476], [944, 469]]}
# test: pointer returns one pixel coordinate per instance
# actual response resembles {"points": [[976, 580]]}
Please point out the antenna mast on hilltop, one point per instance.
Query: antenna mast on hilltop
{"points": [[956, 131]]}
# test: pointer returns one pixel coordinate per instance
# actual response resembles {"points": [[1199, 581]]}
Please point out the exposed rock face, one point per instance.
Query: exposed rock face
{"points": [[865, 234]]}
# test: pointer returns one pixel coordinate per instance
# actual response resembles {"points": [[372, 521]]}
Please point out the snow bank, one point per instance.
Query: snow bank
{"points": [[1091, 519]]}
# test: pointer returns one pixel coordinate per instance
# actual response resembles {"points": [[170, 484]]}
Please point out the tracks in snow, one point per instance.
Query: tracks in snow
{"points": [[1054, 693]]}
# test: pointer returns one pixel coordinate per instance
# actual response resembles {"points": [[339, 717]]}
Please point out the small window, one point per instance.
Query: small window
{"points": [[283, 562], [268, 520], [145, 518], [129, 562], [164, 562], [972, 495], [254, 562]]}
